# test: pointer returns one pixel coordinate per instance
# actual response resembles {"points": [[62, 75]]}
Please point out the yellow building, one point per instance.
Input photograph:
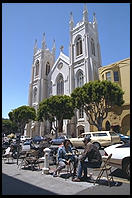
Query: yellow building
{"points": [[118, 118]]}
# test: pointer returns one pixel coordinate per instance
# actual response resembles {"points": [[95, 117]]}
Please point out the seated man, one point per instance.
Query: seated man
{"points": [[94, 159], [64, 159]]}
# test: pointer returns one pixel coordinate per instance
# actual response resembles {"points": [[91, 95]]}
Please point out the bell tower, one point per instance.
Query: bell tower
{"points": [[43, 61], [84, 50], [85, 59]]}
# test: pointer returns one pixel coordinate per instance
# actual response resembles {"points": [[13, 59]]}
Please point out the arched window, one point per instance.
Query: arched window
{"points": [[37, 68], [50, 88], [35, 94], [80, 79], [47, 68], [60, 85], [81, 113], [79, 46], [93, 47]]}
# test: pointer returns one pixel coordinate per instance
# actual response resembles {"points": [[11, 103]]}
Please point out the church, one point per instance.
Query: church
{"points": [[61, 76]]}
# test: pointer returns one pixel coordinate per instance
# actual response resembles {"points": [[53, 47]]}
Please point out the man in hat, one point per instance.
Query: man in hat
{"points": [[64, 158], [90, 158]]}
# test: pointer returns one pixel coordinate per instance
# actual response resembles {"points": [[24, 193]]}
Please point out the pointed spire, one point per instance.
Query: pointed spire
{"points": [[71, 23], [85, 13], [53, 48], [43, 42], [35, 46], [94, 18], [94, 21]]}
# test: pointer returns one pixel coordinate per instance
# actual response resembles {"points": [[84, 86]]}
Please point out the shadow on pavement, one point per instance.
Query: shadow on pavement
{"points": [[13, 186], [119, 173]]}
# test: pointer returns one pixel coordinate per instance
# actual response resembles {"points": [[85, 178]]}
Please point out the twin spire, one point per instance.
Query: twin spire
{"points": [[44, 46], [85, 17]]}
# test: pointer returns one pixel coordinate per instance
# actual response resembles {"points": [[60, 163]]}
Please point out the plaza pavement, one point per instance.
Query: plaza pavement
{"points": [[22, 181], [17, 181]]}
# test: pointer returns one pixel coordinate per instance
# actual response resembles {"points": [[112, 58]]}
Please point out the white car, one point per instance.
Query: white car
{"points": [[120, 156]]}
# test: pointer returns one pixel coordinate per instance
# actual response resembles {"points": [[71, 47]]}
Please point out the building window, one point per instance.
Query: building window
{"points": [[92, 47], [37, 68], [108, 76], [47, 68], [80, 79], [50, 88], [79, 46], [35, 94], [103, 77], [116, 76], [81, 113], [60, 85]]}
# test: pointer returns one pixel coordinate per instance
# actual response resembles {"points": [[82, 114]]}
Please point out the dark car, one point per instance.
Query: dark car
{"points": [[124, 138], [37, 139], [59, 140], [5, 145]]}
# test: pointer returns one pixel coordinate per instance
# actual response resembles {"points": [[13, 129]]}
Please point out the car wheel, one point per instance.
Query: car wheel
{"points": [[126, 168], [97, 145]]}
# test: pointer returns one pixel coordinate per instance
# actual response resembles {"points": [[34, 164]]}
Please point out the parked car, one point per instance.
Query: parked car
{"points": [[99, 138], [23, 138], [124, 138], [120, 156], [37, 138], [58, 141]]}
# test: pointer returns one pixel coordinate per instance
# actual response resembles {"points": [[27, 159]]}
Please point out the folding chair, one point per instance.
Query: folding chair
{"points": [[105, 168]]}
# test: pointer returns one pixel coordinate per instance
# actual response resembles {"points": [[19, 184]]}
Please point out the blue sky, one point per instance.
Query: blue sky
{"points": [[22, 23]]}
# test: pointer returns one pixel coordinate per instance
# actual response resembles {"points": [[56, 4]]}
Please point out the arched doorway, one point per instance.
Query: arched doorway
{"points": [[80, 129], [125, 125], [107, 125]]}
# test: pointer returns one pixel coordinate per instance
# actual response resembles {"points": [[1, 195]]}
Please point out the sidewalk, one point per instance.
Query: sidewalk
{"points": [[20, 181]]}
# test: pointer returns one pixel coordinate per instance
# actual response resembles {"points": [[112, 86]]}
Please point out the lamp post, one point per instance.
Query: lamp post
{"points": [[18, 145]]}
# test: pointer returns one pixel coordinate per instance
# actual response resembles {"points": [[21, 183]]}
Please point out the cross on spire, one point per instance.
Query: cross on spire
{"points": [[61, 48]]}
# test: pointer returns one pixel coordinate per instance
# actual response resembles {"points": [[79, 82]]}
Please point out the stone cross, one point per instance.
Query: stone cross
{"points": [[61, 48]]}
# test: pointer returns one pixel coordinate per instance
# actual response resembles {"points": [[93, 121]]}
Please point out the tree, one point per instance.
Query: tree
{"points": [[55, 109], [21, 116], [96, 98], [8, 126]]}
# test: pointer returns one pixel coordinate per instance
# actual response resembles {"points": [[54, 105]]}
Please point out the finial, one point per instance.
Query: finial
{"points": [[43, 41], [35, 46], [71, 21], [85, 13], [61, 48]]}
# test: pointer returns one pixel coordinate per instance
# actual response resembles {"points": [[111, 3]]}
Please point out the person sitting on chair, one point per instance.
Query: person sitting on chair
{"points": [[90, 158], [64, 158]]}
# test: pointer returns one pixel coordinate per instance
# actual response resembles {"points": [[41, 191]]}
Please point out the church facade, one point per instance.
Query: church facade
{"points": [[60, 77]]}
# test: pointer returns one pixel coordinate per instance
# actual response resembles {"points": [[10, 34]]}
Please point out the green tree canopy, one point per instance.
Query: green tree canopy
{"points": [[21, 116], [96, 98], [55, 109], [8, 126]]}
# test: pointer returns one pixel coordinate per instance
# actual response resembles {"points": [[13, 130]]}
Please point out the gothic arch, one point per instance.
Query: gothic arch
{"points": [[125, 124], [47, 68], [78, 45], [107, 125], [34, 94], [79, 78], [60, 84], [80, 129], [37, 67]]}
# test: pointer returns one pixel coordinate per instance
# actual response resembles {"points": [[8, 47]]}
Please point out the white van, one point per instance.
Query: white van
{"points": [[99, 138]]}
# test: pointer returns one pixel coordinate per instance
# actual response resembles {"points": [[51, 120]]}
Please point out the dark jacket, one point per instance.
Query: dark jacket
{"points": [[92, 153]]}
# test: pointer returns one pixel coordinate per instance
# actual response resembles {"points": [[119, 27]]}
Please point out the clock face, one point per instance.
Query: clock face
{"points": [[60, 65]]}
